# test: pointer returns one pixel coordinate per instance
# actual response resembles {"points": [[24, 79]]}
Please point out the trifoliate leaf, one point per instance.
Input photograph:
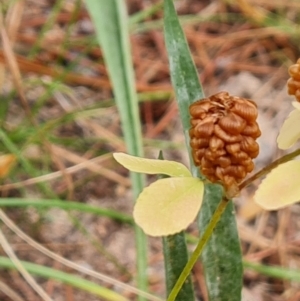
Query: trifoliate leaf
{"points": [[152, 166], [281, 187], [290, 130], [168, 205], [6, 163]]}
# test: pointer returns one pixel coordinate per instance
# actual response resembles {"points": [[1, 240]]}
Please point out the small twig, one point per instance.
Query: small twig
{"points": [[9, 292], [121, 285], [85, 164], [200, 246], [12, 64], [269, 167]]}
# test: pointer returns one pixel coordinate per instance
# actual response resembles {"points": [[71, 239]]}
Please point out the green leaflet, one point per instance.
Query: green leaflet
{"points": [[164, 207], [151, 166], [280, 188], [222, 256]]}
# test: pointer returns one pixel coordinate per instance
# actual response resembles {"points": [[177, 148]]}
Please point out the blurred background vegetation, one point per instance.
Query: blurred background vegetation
{"points": [[59, 119]]}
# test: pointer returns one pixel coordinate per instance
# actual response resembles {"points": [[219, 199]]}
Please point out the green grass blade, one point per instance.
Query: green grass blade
{"points": [[75, 281], [274, 271], [66, 205], [146, 13], [56, 8], [175, 258], [221, 258], [111, 24], [184, 75]]}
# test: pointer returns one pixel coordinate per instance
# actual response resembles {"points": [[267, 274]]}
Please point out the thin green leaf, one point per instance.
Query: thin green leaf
{"points": [[280, 188], [152, 166], [52, 17], [222, 266], [274, 271], [110, 20], [168, 205], [146, 13], [225, 252], [67, 278], [111, 24], [182, 69], [175, 259], [66, 205]]}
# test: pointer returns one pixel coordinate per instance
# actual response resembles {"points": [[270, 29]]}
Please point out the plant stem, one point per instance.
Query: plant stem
{"points": [[200, 246], [269, 167]]}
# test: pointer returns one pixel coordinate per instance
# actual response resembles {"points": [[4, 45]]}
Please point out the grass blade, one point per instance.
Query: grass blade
{"points": [[18, 265], [66, 205], [184, 75], [221, 258], [146, 13], [274, 271], [175, 258], [67, 278], [111, 24]]}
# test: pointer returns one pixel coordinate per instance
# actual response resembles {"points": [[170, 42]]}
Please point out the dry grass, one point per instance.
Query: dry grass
{"points": [[59, 119]]}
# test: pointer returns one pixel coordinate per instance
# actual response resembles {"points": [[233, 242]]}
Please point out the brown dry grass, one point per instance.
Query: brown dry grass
{"points": [[240, 52]]}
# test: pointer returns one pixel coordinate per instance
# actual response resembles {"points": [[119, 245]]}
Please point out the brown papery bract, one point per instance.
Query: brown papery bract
{"points": [[223, 133], [232, 123]]}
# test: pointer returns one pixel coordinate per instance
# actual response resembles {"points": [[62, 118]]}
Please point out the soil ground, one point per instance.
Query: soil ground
{"points": [[235, 49]]}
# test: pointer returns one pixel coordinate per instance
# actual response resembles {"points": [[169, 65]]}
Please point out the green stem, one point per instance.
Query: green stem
{"points": [[200, 246], [269, 167]]}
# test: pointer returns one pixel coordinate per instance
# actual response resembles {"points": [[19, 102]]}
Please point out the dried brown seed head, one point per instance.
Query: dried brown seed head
{"points": [[246, 110], [204, 128], [200, 108], [293, 83], [232, 123], [248, 144], [199, 142], [252, 130], [215, 143], [223, 133], [225, 136], [233, 148], [223, 161]]}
